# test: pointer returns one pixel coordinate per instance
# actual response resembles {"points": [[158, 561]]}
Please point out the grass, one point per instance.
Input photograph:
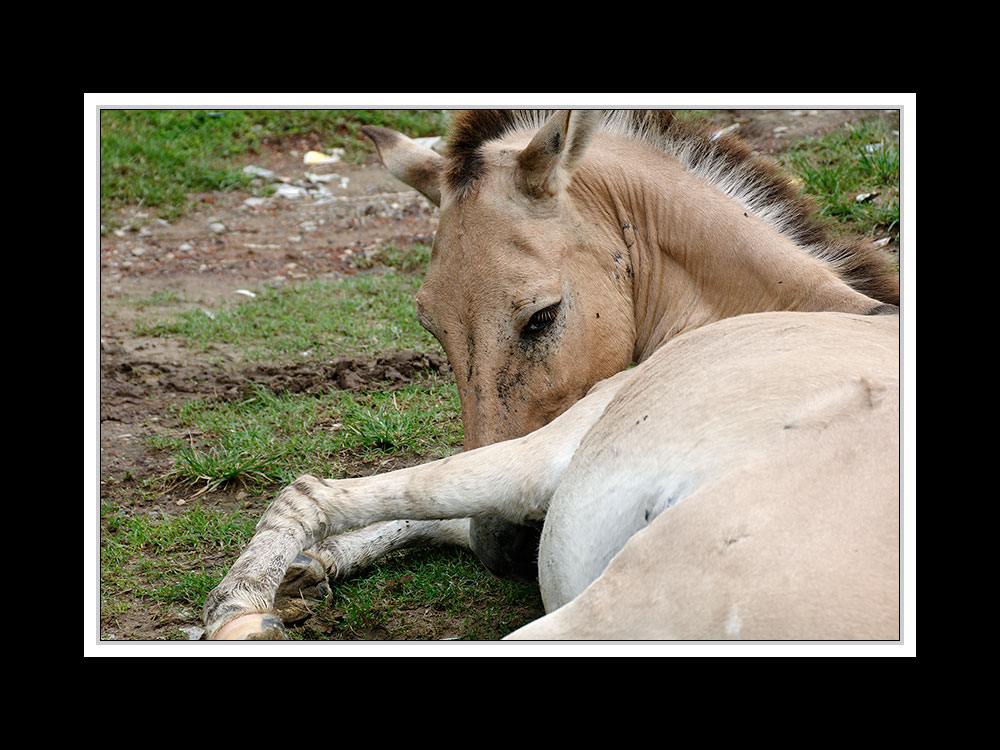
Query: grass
{"points": [[268, 439], [166, 565], [421, 419], [854, 174], [156, 158], [365, 314], [419, 587]]}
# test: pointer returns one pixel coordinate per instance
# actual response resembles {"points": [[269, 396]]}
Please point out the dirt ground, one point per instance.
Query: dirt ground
{"points": [[225, 245]]}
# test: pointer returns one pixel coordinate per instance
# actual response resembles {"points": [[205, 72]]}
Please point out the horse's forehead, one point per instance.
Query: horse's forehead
{"points": [[494, 273], [489, 233]]}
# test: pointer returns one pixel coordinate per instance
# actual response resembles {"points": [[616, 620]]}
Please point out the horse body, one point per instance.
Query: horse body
{"points": [[570, 247], [769, 439]]}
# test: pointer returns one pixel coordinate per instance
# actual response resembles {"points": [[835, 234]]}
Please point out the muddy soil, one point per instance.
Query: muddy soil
{"points": [[225, 245]]}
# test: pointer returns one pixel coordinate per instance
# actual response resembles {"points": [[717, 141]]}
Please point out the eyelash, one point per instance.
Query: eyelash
{"points": [[541, 320]]}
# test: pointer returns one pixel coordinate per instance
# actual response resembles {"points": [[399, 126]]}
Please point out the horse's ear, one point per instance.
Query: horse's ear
{"points": [[416, 165], [556, 150]]}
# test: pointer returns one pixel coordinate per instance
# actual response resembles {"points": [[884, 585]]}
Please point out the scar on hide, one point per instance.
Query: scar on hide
{"points": [[732, 537], [836, 402]]}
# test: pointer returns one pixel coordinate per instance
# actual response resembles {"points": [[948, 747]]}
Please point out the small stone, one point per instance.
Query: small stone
{"points": [[318, 157], [255, 171], [290, 192], [193, 632], [321, 177]]}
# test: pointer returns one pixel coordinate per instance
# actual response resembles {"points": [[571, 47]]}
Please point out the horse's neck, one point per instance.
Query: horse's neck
{"points": [[698, 256]]}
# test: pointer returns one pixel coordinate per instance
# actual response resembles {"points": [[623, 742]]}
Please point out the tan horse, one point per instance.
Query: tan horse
{"points": [[568, 249]]}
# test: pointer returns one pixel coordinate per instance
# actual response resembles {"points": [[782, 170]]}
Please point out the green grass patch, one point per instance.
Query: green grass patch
{"points": [[267, 439], [157, 157], [854, 174], [168, 564], [359, 315], [421, 419], [405, 593]]}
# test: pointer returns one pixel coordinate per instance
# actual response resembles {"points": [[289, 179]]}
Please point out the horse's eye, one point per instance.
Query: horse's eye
{"points": [[541, 320]]}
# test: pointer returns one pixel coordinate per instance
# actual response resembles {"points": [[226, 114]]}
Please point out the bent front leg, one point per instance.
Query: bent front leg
{"points": [[514, 480], [310, 510]]}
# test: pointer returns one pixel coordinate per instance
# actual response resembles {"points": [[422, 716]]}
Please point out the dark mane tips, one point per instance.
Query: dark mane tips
{"points": [[468, 130]]}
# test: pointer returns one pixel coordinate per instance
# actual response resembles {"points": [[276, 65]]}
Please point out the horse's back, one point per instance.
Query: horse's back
{"points": [[767, 449]]}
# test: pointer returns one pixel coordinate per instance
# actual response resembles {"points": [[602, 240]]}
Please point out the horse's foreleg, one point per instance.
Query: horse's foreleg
{"points": [[310, 510], [514, 480], [346, 555]]}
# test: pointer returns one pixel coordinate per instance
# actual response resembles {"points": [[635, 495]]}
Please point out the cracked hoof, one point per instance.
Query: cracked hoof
{"points": [[253, 627], [304, 586]]}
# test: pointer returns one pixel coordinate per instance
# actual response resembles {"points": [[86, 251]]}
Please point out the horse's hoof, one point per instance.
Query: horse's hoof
{"points": [[252, 627], [304, 585]]}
